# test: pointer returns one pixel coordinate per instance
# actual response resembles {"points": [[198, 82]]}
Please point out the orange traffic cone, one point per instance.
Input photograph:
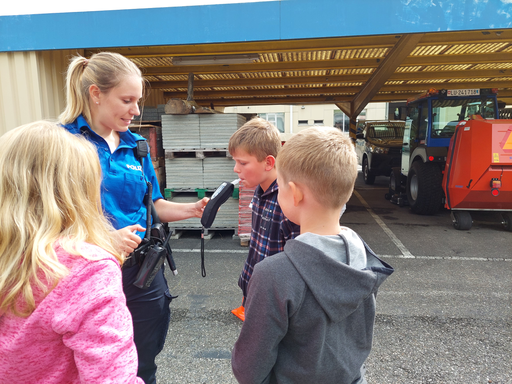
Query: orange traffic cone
{"points": [[239, 312]]}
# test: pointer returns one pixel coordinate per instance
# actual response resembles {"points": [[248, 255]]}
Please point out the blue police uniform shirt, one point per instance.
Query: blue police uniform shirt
{"points": [[123, 183]]}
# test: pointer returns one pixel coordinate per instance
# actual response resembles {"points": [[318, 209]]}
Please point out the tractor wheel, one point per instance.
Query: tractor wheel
{"points": [[424, 188], [369, 177], [507, 220], [462, 220]]}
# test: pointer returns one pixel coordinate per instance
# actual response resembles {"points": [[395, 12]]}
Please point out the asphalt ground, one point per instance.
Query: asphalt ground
{"points": [[444, 316]]}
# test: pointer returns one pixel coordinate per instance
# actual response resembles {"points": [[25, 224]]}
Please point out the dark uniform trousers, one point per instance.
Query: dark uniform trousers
{"points": [[151, 315]]}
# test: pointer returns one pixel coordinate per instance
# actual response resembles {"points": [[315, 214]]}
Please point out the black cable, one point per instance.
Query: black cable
{"points": [[149, 198], [203, 269]]}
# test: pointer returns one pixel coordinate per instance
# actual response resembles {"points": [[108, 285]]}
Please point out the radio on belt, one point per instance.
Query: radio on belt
{"points": [[220, 196]]}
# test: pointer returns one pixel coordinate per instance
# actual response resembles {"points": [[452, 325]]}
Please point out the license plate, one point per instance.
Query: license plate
{"points": [[463, 92]]}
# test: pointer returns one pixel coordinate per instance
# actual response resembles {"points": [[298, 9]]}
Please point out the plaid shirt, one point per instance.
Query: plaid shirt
{"points": [[270, 231]]}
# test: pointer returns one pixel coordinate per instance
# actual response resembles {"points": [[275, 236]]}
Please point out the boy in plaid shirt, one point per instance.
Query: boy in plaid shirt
{"points": [[254, 148]]}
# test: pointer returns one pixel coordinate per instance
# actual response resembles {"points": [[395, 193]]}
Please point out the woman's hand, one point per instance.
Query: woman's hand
{"points": [[199, 206], [126, 238], [170, 211]]}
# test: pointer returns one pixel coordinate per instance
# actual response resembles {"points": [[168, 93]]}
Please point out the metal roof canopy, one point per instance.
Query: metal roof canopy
{"points": [[346, 71], [308, 51]]}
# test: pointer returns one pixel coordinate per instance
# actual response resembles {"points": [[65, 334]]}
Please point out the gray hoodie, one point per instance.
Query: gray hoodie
{"points": [[310, 315]]}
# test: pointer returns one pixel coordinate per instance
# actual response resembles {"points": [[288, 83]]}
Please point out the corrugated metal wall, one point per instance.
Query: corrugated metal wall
{"points": [[31, 86], [154, 97]]}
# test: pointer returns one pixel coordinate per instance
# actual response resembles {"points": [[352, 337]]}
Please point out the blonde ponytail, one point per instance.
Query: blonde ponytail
{"points": [[76, 96]]}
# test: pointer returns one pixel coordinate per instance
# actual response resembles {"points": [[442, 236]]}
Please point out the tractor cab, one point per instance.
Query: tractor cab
{"points": [[433, 116], [429, 126]]}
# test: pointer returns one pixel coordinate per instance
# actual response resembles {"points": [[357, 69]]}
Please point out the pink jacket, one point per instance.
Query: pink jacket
{"points": [[81, 332]]}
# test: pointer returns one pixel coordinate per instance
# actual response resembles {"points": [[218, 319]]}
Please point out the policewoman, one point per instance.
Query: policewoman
{"points": [[102, 94]]}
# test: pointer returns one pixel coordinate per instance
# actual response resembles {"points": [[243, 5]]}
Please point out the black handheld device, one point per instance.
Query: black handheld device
{"points": [[153, 261], [219, 197]]}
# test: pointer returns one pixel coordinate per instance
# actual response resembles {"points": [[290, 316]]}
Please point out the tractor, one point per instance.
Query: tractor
{"points": [[455, 136]]}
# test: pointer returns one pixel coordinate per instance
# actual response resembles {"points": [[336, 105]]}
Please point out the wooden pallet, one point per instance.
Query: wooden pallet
{"points": [[197, 153]]}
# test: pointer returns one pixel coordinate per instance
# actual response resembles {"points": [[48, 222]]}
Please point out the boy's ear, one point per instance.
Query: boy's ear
{"points": [[270, 162], [297, 193]]}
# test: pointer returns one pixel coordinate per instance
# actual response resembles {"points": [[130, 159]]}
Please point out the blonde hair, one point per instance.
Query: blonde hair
{"points": [[257, 137], [324, 160], [106, 70], [49, 192]]}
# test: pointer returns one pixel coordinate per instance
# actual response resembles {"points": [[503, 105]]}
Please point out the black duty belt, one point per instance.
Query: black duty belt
{"points": [[130, 261], [137, 256]]}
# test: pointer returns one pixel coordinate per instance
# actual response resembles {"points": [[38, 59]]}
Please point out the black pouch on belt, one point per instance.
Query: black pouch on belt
{"points": [[154, 257]]}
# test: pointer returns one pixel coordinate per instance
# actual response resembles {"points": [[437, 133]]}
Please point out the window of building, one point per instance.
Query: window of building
{"points": [[276, 118], [319, 122], [303, 122], [341, 121]]}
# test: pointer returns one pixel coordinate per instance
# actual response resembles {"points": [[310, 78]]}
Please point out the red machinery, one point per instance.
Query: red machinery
{"points": [[478, 171]]}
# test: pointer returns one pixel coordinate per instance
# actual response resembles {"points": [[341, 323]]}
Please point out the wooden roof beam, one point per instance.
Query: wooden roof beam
{"points": [[447, 85], [266, 92], [341, 101], [233, 102], [467, 37], [255, 82], [263, 67], [298, 80], [284, 66], [345, 107], [393, 60], [472, 58], [352, 90], [335, 43], [317, 44]]}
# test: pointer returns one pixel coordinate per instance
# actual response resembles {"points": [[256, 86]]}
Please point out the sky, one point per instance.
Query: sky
{"points": [[33, 7]]}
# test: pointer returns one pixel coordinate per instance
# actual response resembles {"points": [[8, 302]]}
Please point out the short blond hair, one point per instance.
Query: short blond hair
{"points": [[324, 160], [49, 192], [258, 138]]}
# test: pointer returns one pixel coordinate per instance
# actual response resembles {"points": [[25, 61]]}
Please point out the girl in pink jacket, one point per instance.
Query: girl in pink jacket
{"points": [[63, 315]]}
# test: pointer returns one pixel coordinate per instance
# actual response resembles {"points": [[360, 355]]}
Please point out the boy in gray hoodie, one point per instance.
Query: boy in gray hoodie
{"points": [[310, 309]]}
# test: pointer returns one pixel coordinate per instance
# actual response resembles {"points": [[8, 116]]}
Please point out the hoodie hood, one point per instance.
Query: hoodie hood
{"points": [[338, 288]]}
